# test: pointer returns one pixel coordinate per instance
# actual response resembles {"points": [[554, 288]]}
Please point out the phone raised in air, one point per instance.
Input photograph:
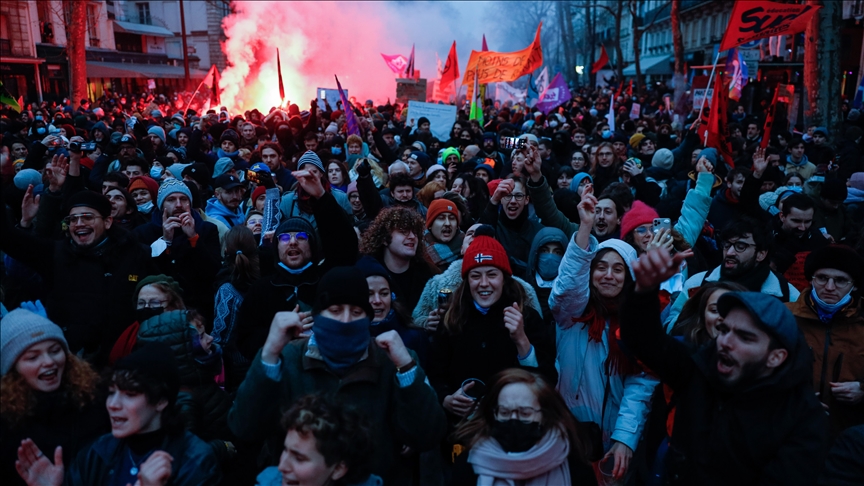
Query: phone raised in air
{"points": [[514, 143], [662, 224]]}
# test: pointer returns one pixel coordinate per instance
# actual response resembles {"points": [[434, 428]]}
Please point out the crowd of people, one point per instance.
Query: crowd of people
{"points": [[217, 298]]}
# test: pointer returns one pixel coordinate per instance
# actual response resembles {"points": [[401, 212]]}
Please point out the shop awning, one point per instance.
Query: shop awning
{"points": [[145, 71], [654, 65], [142, 29]]}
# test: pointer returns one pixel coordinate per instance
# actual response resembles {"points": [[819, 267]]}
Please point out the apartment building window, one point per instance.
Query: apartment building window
{"points": [[144, 13], [93, 24], [225, 8]]}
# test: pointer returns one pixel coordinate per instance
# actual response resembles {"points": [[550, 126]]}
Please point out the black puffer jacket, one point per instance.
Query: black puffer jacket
{"points": [[771, 432], [202, 403]]}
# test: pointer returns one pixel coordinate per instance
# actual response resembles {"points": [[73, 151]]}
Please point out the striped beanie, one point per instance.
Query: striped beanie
{"points": [[310, 157]]}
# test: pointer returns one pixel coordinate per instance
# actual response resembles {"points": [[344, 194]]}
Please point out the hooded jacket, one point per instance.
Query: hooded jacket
{"points": [[544, 236], [773, 431], [215, 209], [803, 167]]}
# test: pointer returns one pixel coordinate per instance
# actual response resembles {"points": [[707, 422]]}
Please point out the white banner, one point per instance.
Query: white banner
{"points": [[441, 117]]}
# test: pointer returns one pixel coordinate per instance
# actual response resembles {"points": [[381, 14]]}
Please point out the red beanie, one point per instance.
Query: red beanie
{"points": [[493, 184], [335, 115], [638, 215], [485, 250], [144, 182], [258, 192], [438, 207]]}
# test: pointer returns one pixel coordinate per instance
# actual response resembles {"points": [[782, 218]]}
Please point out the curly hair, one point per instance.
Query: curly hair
{"points": [[17, 400], [342, 434], [377, 236]]}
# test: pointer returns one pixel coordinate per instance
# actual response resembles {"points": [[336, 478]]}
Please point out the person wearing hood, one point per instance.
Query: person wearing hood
{"points": [[748, 390], [819, 152], [182, 244], [545, 257], [797, 161], [490, 151], [226, 203], [829, 316], [101, 134], [379, 376], [301, 256], [586, 302]]}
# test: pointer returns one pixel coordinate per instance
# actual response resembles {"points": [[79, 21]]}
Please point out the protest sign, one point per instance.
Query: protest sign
{"points": [[441, 117], [495, 67], [699, 94], [330, 96], [410, 89], [635, 110]]}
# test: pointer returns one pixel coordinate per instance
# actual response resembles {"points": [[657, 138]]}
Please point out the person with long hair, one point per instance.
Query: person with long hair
{"points": [[147, 443], [488, 328], [697, 323], [523, 432], [599, 382], [337, 174], [47, 394], [605, 170], [241, 270]]}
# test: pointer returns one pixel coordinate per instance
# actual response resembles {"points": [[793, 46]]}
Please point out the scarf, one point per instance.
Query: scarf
{"points": [[617, 362], [826, 311], [545, 464], [730, 197], [443, 254]]}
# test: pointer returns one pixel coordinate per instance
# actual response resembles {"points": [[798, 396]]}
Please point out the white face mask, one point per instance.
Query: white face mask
{"points": [[146, 207]]}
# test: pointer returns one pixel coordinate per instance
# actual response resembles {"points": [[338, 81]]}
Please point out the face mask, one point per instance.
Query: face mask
{"points": [[156, 173], [514, 435], [341, 344], [40, 130], [547, 265], [336, 150], [146, 207], [142, 315], [607, 134]]}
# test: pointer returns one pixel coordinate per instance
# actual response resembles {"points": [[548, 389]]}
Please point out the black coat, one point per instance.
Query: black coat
{"points": [[282, 291], [88, 292], [771, 432], [484, 348]]}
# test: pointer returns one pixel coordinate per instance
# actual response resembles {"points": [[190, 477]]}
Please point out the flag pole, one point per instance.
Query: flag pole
{"points": [[193, 96], [710, 80]]}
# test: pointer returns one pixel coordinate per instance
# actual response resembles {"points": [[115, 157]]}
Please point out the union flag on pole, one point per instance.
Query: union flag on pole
{"points": [[758, 20], [603, 61], [352, 127], [717, 122]]}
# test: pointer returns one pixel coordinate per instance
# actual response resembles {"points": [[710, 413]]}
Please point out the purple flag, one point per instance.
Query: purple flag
{"points": [[555, 95], [352, 127]]}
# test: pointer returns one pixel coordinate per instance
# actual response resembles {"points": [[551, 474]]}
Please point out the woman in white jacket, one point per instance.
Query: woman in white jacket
{"points": [[597, 380]]}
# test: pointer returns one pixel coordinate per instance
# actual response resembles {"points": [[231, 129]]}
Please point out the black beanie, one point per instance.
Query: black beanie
{"points": [[834, 190], [343, 285], [155, 361], [293, 225], [89, 199], [837, 257]]}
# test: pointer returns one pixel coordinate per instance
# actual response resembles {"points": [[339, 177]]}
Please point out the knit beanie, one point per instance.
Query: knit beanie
{"points": [[638, 215], [663, 159], [335, 115], [834, 190], [146, 183], [27, 177], [351, 188], [448, 152], [332, 128], [158, 131], [171, 186], [156, 361], [88, 199], [161, 279], [435, 168], [624, 249], [258, 192], [370, 267], [421, 121], [311, 157], [438, 207], [711, 154], [635, 139], [223, 165], [294, 225], [483, 251], [231, 136], [488, 168], [857, 181], [577, 180], [341, 286], [21, 329], [177, 169], [837, 257]]}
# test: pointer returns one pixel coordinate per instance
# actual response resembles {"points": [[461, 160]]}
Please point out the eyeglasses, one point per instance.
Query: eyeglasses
{"points": [[518, 196], [85, 218], [838, 281], [151, 304], [740, 246], [642, 230], [299, 236], [524, 414]]}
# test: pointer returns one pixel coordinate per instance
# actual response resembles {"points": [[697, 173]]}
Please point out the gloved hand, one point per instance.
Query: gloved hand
{"points": [[35, 307], [266, 180], [364, 169]]}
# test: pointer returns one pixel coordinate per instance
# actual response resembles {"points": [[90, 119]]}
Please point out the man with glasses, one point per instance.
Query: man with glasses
{"points": [[301, 257], [744, 246], [89, 276], [508, 213], [829, 315]]}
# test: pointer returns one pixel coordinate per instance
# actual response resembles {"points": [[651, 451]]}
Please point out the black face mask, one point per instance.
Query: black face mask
{"points": [[142, 315], [515, 435]]}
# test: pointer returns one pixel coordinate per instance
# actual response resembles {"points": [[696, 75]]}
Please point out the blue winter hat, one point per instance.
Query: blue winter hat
{"points": [[27, 177], [771, 314], [223, 165], [171, 186], [158, 131], [710, 154], [577, 179]]}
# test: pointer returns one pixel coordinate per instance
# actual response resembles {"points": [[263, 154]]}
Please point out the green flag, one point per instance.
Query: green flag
{"points": [[7, 99], [476, 104]]}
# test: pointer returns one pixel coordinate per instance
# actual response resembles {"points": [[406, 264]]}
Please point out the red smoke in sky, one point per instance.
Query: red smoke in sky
{"points": [[316, 40]]}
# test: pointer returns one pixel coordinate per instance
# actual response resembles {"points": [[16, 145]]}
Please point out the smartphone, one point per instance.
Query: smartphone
{"points": [[252, 176], [662, 224], [323, 95], [514, 143]]}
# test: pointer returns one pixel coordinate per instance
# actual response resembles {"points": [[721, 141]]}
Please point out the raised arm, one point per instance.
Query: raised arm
{"points": [[338, 239], [541, 196], [696, 204]]}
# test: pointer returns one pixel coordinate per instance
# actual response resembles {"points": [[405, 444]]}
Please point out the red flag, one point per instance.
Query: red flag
{"points": [[603, 61], [279, 69], [717, 122], [757, 20], [783, 94], [485, 47], [630, 89], [451, 68], [535, 54]]}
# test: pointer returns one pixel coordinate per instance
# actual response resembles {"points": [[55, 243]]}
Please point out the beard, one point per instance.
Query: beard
{"points": [[750, 372], [741, 269]]}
